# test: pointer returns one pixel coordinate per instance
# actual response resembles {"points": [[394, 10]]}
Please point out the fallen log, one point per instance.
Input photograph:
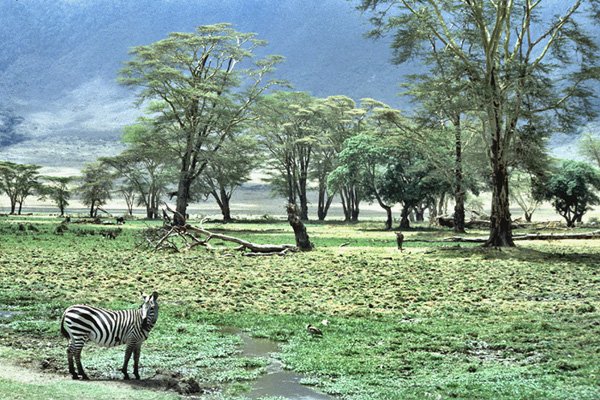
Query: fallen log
{"points": [[531, 236], [244, 244], [193, 236]]}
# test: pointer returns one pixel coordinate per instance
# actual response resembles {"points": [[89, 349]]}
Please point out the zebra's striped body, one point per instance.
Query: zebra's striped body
{"points": [[109, 328]]}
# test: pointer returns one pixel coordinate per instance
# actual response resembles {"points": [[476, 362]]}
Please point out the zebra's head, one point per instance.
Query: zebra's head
{"points": [[149, 310]]}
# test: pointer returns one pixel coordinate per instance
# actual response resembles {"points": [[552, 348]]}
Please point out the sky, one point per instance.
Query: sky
{"points": [[60, 104]]}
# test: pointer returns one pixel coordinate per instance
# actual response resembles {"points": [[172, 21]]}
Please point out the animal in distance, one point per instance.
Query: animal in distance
{"points": [[313, 330], [108, 328]]}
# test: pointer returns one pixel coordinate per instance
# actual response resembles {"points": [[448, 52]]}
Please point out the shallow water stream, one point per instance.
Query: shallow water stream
{"points": [[277, 381]]}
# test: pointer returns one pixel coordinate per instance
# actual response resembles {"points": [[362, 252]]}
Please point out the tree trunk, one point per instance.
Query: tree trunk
{"points": [[20, 207], [528, 216], [13, 206], [344, 195], [440, 206], [500, 228], [302, 196], [355, 210], [459, 194], [224, 204], [149, 212], [183, 196], [404, 221], [388, 211], [155, 200], [389, 220], [419, 214], [303, 204], [432, 212], [302, 239], [500, 223], [92, 209], [290, 183], [324, 202]]}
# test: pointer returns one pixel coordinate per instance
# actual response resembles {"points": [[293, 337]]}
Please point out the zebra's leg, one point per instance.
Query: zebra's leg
{"points": [[128, 352], [70, 351], [136, 360], [79, 366]]}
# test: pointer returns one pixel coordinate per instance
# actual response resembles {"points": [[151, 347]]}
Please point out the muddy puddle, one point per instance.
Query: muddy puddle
{"points": [[277, 381]]}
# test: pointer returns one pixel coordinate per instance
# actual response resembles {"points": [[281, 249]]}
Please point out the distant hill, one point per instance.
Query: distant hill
{"points": [[60, 104]]}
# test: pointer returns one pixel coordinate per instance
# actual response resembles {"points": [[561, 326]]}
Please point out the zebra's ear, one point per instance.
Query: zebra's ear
{"points": [[155, 295], [143, 296]]}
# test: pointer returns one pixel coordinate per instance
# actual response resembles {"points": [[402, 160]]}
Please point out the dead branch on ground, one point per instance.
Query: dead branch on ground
{"points": [[178, 238]]}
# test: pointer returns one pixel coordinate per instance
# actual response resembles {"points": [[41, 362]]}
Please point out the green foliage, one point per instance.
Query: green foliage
{"points": [[197, 96], [146, 168], [287, 126], [501, 59], [228, 169], [57, 189], [18, 181], [522, 192], [571, 187], [589, 147], [96, 185]]}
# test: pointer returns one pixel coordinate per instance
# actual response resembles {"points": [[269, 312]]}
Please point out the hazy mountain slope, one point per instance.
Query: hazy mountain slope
{"points": [[60, 104], [59, 61]]}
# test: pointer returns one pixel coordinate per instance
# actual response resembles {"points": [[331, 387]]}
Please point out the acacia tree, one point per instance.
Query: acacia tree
{"points": [[129, 193], [589, 147], [367, 158], [231, 167], [57, 189], [288, 128], [145, 167], [409, 179], [95, 188], [348, 183], [509, 58], [338, 119], [18, 181], [522, 192], [441, 93], [199, 95], [571, 189]]}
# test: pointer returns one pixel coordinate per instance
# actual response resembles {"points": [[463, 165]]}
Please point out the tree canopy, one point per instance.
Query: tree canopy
{"points": [[197, 94], [508, 57], [572, 189], [18, 181]]}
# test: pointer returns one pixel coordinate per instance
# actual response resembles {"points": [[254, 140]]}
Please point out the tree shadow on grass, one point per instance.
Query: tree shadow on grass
{"points": [[523, 254]]}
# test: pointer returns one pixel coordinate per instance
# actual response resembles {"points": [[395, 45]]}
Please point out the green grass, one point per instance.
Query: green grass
{"points": [[76, 391], [436, 321]]}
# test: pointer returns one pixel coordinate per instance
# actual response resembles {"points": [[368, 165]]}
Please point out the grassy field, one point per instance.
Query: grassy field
{"points": [[434, 322]]}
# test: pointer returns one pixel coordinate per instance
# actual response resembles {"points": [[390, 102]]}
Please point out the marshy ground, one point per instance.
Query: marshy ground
{"points": [[438, 320]]}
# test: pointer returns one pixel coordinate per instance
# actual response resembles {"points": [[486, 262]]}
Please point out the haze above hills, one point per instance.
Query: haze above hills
{"points": [[60, 105]]}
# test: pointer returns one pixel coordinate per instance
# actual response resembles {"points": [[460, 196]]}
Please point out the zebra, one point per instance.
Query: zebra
{"points": [[108, 328]]}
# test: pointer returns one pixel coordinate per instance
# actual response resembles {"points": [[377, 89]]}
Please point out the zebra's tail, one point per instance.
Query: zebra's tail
{"points": [[62, 328]]}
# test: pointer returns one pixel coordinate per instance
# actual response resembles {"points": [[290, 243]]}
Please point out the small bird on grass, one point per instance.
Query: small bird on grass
{"points": [[313, 330]]}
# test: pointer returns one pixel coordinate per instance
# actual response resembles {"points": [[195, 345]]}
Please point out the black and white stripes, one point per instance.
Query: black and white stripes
{"points": [[109, 328]]}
